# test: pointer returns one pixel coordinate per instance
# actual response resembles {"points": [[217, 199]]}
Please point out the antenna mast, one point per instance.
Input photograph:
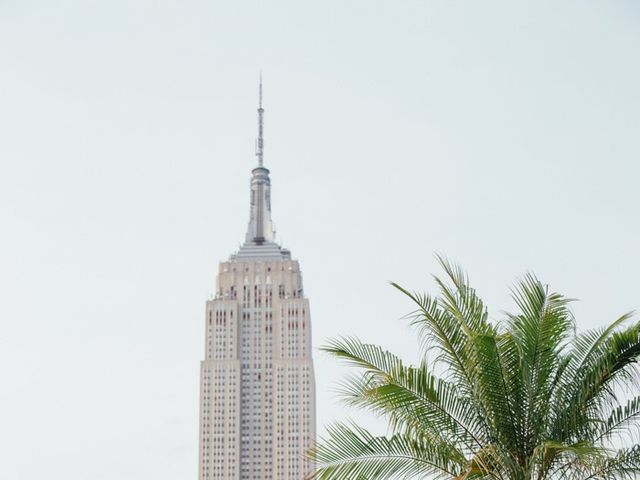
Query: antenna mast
{"points": [[260, 141]]}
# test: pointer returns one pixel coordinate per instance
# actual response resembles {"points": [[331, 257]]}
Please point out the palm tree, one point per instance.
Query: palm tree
{"points": [[526, 398]]}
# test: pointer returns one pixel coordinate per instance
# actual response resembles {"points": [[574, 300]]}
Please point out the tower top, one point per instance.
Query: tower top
{"points": [[260, 238], [260, 140]]}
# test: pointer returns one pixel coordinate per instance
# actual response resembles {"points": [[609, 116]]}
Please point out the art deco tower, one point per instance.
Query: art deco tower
{"points": [[257, 387]]}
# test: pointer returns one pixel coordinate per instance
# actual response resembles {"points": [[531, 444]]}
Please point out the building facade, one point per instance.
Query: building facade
{"points": [[257, 386]]}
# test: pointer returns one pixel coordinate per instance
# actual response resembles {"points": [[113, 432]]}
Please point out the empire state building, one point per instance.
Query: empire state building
{"points": [[257, 387]]}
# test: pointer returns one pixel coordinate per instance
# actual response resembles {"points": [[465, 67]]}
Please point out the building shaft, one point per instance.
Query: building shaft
{"points": [[257, 387]]}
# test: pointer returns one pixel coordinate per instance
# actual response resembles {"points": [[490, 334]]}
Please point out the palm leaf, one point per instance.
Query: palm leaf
{"points": [[352, 452]]}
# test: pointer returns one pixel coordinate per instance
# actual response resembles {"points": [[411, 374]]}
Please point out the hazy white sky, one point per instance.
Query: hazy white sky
{"points": [[503, 134]]}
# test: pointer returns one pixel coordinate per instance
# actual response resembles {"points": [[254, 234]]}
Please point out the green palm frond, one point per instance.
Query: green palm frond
{"points": [[624, 465], [462, 301], [541, 332], [494, 388], [570, 391], [411, 397], [620, 420], [352, 452], [444, 331], [610, 365]]}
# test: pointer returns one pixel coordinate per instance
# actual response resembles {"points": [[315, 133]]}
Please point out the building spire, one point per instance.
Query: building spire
{"points": [[260, 229], [260, 140]]}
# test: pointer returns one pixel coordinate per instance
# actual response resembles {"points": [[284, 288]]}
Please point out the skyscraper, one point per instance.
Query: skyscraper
{"points": [[257, 387]]}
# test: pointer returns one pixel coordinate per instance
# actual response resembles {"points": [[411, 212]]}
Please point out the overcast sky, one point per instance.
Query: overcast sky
{"points": [[502, 134]]}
